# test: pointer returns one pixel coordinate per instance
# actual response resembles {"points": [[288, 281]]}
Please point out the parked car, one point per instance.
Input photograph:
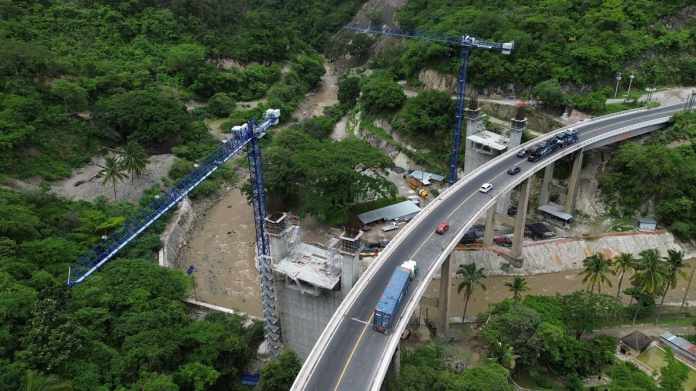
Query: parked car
{"points": [[390, 227], [539, 231], [514, 170], [512, 211], [486, 187], [442, 228], [503, 240], [522, 153]]}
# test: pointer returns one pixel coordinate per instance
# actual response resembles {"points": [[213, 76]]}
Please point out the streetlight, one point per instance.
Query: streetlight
{"points": [[630, 82], [618, 81]]}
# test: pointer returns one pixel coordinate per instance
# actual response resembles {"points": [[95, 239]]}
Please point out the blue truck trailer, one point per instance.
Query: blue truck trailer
{"points": [[390, 302]]}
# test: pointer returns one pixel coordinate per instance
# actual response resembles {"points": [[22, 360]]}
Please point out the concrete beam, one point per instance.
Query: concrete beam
{"points": [[445, 293], [392, 383], [520, 219], [490, 225], [548, 177], [573, 183]]}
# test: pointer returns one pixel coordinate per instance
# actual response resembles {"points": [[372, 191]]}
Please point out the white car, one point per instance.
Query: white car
{"points": [[486, 187]]}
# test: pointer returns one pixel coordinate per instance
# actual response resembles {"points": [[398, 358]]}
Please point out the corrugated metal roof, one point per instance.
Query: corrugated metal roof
{"points": [[390, 296], [425, 177], [680, 343], [309, 264], [402, 209], [555, 210]]}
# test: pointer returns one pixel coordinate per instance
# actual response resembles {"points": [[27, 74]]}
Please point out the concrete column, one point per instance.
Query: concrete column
{"points": [[573, 183], [445, 292], [490, 225], [518, 233], [548, 177], [473, 126]]}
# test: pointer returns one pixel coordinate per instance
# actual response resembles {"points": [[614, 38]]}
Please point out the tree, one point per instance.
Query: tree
{"points": [[380, 93], [517, 286], [595, 272], [187, 59], [427, 115], [35, 381], [348, 90], [622, 264], [471, 277], [133, 159], [584, 311], [674, 374], [675, 264], [550, 93], [111, 172], [221, 105], [147, 116], [197, 376], [279, 374], [650, 277], [71, 93]]}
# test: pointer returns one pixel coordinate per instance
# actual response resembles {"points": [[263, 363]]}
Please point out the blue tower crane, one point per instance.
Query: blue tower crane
{"points": [[244, 136], [466, 43]]}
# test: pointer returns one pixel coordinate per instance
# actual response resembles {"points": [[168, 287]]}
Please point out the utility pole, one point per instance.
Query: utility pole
{"points": [[630, 82], [618, 81]]}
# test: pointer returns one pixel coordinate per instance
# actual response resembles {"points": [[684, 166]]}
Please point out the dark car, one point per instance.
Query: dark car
{"points": [[539, 231], [522, 153], [513, 170]]}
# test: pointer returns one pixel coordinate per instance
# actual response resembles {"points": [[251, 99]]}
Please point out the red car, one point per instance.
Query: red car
{"points": [[442, 228]]}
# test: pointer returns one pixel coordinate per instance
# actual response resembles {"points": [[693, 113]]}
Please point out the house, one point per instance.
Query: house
{"points": [[634, 343], [426, 178]]}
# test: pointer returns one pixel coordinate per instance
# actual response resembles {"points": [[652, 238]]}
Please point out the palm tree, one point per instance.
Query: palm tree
{"points": [[111, 172], [596, 271], [651, 272], [133, 159], [517, 286], [675, 264], [623, 263], [650, 276], [35, 381], [471, 277]]}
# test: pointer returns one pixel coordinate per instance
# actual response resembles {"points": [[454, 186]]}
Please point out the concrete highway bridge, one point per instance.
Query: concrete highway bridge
{"points": [[349, 355]]}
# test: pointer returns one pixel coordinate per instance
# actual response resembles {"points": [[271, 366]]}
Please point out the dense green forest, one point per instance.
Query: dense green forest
{"points": [[78, 77], [577, 43], [657, 177]]}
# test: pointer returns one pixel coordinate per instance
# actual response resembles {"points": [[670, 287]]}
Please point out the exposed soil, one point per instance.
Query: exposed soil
{"points": [[326, 95], [85, 185], [221, 247]]}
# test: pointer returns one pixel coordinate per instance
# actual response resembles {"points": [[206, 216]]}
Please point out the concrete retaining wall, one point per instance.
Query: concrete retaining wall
{"points": [[174, 236], [566, 254]]}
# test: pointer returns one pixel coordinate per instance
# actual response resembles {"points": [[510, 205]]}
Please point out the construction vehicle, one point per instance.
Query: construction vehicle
{"points": [[415, 184], [389, 303]]}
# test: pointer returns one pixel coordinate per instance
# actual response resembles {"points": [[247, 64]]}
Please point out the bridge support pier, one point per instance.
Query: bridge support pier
{"points": [[445, 293], [545, 196], [573, 183], [490, 225], [518, 233]]}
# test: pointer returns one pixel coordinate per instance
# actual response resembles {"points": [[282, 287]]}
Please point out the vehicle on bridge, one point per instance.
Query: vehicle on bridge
{"points": [[552, 145], [442, 228], [390, 302]]}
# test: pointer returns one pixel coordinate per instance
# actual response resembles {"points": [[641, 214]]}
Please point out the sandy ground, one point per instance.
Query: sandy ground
{"points": [[671, 96], [221, 248], [542, 284], [84, 184], [326, 95]]}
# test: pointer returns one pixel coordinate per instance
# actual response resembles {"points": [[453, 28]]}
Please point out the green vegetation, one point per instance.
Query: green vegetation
{"points": [[471, 278], [577, 43], [322, 177], [125, 326], [380, 93], [425, 369], [662, 172]]}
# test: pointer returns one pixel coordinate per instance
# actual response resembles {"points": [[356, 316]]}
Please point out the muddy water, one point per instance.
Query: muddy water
{"points": [[222, 249], [326, 95], [541, 284]]}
